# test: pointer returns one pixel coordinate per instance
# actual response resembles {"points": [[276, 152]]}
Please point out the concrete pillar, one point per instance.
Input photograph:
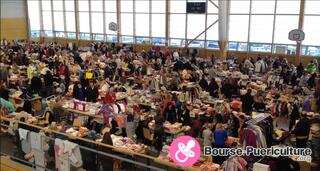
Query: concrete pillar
{"points": [[223, 27]]}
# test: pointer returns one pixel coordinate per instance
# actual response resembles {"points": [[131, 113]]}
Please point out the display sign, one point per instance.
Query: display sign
{"points": [[296, 35], [196, 7]]}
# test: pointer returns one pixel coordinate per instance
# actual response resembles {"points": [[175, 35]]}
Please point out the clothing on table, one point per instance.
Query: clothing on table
{"points": [[36, 140], [261, 139], [234, 163], [67, 153]]}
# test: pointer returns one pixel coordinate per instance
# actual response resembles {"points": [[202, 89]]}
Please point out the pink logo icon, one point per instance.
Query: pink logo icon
{"points": [[185, 151]]}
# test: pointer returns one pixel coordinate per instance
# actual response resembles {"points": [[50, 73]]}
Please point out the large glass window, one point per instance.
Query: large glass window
{"points": [[58, 5], [70, 22], [83, 5], [212, 32], [158, 25], [110, 17], [110, 5], [177, 25], [312, 30], [126, 24], [97, 5], [47, 20], [196, 25], [238, 28], [261, 28], [84, 22], [142, 25], [58, 21], [239, 7], [158, 6], [126, 6], [283, 25], [69, 5], [34, 13], [142, 6], [97, 22], [263, 6]]}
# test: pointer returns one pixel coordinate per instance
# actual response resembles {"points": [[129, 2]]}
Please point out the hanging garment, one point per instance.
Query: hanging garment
{"points": [[73, 152], [61, 159], [36, 140], [261, 139], [25, 140], [248, 138]]}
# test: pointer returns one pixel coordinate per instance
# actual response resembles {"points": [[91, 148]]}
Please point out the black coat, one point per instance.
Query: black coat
{"points": [[92, 94], [36, 84]]}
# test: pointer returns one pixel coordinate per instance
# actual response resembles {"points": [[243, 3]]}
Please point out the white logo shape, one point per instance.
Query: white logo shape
{"points": [[185, 150]]}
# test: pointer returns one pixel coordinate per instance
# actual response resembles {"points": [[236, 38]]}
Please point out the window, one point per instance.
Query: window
{"points": [[283, 25], [126, 24], [142, 6], [47, 20], [142, 40], [57, 5], [142, 25], [84, 22], [158, 25], [196, 25], [97, 22], [112, 38], [84, 36], [311, 50], [288, 7], [239, 7], [35, 34], [261, 28], [83, 5], [312, 7], [284, 49], [158, 6], [176, 42], [110, 5], [127, 39], [212, 32], [257, 47], [34, 13], [48, 33], [58, 21], [110, 17], [70, 22], [96, 5], [158, 41], [60, 34], [211, 8], [71, 35], [213, 45], [98, 37], [312, 30], [69, 5], [263, 6], [178, 6], [238, 28], [196, 44], [126, 6], [46, 5], [177, 25]]}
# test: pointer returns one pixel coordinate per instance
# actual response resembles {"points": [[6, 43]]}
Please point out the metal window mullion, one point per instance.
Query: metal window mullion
{"points": [[64, 19], [249, 27], [150, 22], [52, 18], [167, 23], [274, 24], [41, 18], [134, 22], [186, 29], [90, 21], [104, 20], [206, 25]]}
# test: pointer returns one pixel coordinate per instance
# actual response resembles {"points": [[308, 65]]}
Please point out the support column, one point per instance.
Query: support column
{"points": [[223, 27], [301, 20], [167, 23], [118, 20]]}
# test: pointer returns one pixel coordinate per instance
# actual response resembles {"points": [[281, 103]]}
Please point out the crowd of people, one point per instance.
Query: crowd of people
{"points": [[84, 72]]}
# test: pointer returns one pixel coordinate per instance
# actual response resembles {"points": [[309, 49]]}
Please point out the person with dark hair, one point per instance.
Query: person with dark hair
{"points": [[213, 88], [78, 92], [27, 107], [106, 162], [247, 102], [302, 130], [36, 84], [48, 82], [311, 80], [185, 116], [170, 113], [196, 127], [203, 83], [92, 92], [300, 70], [4, 92], [159, 131]]}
